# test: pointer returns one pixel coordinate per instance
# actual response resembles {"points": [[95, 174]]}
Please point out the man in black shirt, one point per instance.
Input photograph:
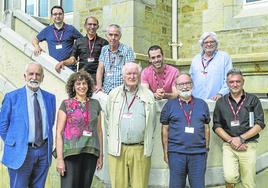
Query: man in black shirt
{"points": [[87, 49], [237, 120]]}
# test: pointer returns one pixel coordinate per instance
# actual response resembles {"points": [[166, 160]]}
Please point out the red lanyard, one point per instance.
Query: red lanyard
{"points": [[238, 109], [132, 101], [157, 78], [187, 116], [56, 35], [87, 114], [91, 48]]}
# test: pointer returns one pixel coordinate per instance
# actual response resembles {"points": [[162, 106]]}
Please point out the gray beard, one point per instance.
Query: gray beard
{"points": [[185, 94]]}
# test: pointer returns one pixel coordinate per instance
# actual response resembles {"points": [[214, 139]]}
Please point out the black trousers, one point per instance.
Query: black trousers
{"points": [[80, 170]]}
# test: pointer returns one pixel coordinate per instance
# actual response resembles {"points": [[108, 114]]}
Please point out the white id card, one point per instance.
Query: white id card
{"points": [[127, 115], [235, 123], [59, 46], [87, 133], [109, 73], [189, 130], [90, 59]]}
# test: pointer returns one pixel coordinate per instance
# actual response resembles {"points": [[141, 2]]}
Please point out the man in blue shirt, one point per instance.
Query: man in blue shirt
{"points": [[111, 61], [209, 68], [185, 136], [59, 36]]}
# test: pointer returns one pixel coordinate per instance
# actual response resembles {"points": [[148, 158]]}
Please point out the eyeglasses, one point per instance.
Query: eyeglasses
{"points": [[57, 14], [210, 42], [188, 84]]}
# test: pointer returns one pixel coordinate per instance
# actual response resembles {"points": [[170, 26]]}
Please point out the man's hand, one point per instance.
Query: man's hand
{"points": [[166, 157], [216, 97], [98, 88], [37, 50], [59, 66], [236, 143], [159, 94], [243, 147]]}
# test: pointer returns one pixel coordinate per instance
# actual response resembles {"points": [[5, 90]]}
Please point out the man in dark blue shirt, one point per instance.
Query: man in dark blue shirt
{"points": [[185, 136], [59, 36]]}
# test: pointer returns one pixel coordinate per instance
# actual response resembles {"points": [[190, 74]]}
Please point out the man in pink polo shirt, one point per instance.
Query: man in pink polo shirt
{"points": [[160, 78]]}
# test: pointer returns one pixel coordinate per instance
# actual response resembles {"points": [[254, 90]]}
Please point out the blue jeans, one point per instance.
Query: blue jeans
{"points": [[181, 165], [34, 170]]}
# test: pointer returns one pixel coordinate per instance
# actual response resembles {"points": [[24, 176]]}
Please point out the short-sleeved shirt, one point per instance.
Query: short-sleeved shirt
{"points": [[66, 36], [210, 81], [165, 80], [78, 121], [88, 52], [173, 115], [223, 114], [113, 64]]}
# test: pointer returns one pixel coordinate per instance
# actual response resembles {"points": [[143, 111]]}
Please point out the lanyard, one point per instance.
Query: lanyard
{"points": [[208, 62], [91, 47], [187, 116], [132, 100], [111, 61], [238, 109], [157, 78], [56, 35], [87, 114]]}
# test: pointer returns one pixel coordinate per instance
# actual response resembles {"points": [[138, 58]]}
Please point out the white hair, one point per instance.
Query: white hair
{"points": [[205, 35], [139, 68]]}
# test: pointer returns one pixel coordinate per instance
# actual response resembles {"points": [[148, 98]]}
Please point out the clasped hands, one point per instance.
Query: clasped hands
{"points": [[236, 144]]}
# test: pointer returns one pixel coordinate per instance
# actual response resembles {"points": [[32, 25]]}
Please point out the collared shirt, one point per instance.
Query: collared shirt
{"points": [[223, 115], [82, 52], [69, 34], [210, 81], [166, 80], [113, 64], [173, 115], [30, 106], [133, 120]]}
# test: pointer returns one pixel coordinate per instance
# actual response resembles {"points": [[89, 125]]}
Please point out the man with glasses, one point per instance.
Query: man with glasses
{"points": [[86, 49], [59, 36], [209, 68], [185, 136], [112, 59], [160, 78], [238, 118]]}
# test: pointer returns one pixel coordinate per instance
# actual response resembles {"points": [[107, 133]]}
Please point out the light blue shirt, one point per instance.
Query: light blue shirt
{"points": [[213, 82], [30, 105]]}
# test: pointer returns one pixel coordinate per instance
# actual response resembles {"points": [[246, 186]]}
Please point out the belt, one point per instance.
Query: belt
{"points": [[33, 145], [132, 144]]}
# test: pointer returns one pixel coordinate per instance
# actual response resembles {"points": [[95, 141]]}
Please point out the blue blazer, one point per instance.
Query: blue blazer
{"points": [[14, 126]]}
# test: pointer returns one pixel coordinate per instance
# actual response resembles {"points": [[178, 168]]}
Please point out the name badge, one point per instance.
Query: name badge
{"points": [[127, 115], [87, 133], [90, 59], [235, 123], [59, 46], [204, 72], [110, 73], [189, 130]]}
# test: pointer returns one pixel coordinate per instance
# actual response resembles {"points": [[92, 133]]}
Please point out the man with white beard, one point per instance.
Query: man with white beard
{"points": [[185, 136], [26, 123]]}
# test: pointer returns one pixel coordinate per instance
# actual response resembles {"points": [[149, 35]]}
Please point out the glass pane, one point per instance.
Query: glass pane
{"points": [[43, 8], [7, 4], [249, 1], [30, 7], [67, 5]]}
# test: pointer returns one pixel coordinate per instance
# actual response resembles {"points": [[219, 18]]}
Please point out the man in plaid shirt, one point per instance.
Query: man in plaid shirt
{"points": [[111, 60]]}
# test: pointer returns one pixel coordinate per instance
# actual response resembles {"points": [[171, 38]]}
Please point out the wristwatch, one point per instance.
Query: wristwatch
{"points": [[242, 140]]}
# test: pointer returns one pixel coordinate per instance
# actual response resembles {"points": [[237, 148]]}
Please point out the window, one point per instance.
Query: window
{"points": [[67, 5], [43, 8], [250, 1], [30, 6]]}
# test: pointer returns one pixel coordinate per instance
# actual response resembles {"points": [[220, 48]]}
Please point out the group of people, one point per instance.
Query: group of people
{"points": [[107, 66]]}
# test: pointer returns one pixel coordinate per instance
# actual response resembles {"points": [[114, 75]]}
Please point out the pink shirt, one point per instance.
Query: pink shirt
{"points": [[164, 80]]}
